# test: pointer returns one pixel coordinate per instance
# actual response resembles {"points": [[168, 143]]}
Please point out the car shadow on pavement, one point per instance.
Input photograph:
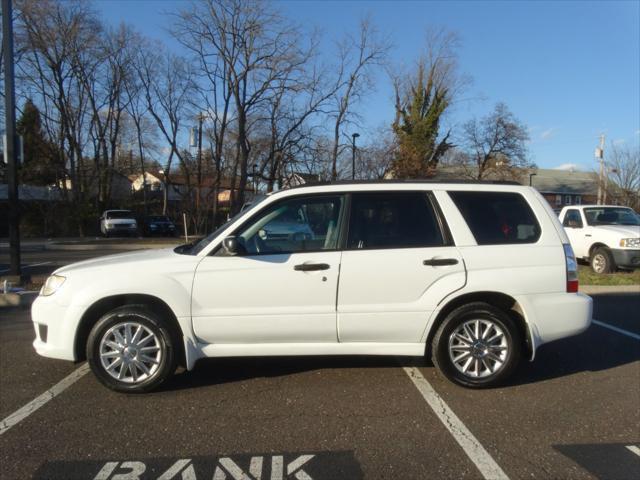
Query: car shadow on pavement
{"points": [[595, 350], [215, 371]]}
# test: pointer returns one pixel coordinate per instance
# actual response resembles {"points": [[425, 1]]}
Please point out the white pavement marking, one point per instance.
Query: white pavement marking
{"points": [[616, 329], [36, 403], [634, 449], [474, 450]]}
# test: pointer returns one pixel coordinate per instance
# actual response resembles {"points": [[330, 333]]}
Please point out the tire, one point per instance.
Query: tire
{"points": [[478, 369], [602, 261], [110, 341]]}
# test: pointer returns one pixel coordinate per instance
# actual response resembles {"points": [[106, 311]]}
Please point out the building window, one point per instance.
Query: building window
{"points": [[578, 200], [558, 200], [567, 199]]}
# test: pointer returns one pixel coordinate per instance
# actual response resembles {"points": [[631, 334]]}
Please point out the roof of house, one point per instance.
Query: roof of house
{"points": [[565, 182], [545, 180]]}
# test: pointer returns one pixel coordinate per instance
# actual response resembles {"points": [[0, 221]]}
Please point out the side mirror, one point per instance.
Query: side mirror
{"points": [[230, 245]]}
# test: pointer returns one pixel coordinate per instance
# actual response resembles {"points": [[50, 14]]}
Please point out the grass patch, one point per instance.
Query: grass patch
{"points": [[586, 276]]}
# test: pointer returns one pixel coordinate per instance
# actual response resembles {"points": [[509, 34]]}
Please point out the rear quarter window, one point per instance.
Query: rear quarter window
{"points": [[497, 218]]}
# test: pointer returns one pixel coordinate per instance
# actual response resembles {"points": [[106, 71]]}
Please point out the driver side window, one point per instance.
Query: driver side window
{"points": [[295, 225]]}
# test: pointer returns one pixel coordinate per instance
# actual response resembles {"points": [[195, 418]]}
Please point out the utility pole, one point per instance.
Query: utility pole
{"points": [[10, 132], [353, 155], [600, 157]]}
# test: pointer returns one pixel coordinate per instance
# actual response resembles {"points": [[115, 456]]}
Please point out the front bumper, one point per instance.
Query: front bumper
{"points": [[59, 322], [626, 258]]}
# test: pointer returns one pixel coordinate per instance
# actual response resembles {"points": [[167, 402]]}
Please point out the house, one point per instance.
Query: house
{"points": [[120, 184], [558, 187], [565, 187], [298, 178], [152, 180]]}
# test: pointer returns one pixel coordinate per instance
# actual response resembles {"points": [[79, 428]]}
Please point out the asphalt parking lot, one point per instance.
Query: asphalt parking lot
{"points": [[573, 413]]}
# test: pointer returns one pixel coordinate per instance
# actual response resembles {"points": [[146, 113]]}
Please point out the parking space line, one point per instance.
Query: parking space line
{"points": [[36, 403], [616, 329], [471, 446], [634, 449]]}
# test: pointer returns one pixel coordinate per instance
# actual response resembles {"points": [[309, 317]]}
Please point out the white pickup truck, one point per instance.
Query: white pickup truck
{"points": [[606, 236]]}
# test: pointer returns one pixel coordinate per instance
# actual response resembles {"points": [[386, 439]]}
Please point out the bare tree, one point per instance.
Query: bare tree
{"points": [[358, 56], [50, 36], [167, 83], [256, 47], [624, 175], [496, 142], [375, 160]]}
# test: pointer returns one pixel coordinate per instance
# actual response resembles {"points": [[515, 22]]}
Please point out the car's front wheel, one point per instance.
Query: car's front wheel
{"points": [[131, 349], [602, 261], [477, 345]]}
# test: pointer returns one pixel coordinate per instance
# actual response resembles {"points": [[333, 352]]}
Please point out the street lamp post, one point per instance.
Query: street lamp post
{"points": [[353, 155], [10, 132], [531, 175]]}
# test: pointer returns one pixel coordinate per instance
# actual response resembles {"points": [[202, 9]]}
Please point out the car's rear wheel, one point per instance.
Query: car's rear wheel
{"points": [[602, 261], [477, 345], [131, 349]]}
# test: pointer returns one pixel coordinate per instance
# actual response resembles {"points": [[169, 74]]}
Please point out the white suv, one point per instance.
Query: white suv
{"points": [[118, 222], [475, 275]]}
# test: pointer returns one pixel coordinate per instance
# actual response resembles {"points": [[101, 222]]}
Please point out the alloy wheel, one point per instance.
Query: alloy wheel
{"points": [[130, 352], [478, 348]]}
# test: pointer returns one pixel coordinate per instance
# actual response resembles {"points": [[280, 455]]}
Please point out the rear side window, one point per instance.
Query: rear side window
{"points": [[393, 220], [497, 218]]}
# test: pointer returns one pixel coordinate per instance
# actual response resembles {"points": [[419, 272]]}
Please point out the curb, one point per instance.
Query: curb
{"points": [[22, 299], [595, 289]]}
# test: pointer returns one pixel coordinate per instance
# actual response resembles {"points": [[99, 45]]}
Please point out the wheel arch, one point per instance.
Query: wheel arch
{"points": [[504, 302], [100, 307], [595, 245]]}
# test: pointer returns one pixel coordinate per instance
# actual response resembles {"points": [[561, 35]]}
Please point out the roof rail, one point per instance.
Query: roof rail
{"points": [[395, 181]]}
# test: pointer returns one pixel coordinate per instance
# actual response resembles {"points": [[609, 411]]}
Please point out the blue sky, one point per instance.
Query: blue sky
{"points": [[568, 70]]}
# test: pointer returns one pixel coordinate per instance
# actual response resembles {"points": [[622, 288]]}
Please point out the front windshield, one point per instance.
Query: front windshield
{"points": [[611, 216], [119, 214], [198, 247]]}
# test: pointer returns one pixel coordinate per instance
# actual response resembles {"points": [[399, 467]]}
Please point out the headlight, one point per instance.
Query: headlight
{"points": [[53, 283], [630, 242]]}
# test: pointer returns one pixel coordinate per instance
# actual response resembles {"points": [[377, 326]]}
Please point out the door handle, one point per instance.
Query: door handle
{"points": [[438, 262], [588, 235], [310, 267]]}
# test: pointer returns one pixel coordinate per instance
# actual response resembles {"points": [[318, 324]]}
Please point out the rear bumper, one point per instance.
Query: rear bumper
{"points": [[556, 315], [626, 258]]}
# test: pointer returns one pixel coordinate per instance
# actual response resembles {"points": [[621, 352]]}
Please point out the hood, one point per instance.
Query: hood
{"points": [[625, 231], [123, 261]]}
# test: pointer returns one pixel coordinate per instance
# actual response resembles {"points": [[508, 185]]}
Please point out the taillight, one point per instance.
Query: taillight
{"points": [[572, 269]]}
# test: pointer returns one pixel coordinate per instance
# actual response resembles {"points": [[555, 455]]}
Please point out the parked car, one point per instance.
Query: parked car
{"points": [[477, 276], [118, 222], [158, 225], [606, 236]]}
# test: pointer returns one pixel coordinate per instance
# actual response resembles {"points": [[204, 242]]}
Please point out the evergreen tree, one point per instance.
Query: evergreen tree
{"points": [[39, 165], [417, 124]]}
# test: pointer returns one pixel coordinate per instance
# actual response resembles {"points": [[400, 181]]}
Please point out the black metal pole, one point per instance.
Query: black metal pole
{"points": [[10, 132], [353, 155]]}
